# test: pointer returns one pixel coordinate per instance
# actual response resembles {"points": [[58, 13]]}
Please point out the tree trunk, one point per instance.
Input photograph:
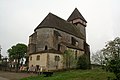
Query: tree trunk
{"points": [[17, 65]]}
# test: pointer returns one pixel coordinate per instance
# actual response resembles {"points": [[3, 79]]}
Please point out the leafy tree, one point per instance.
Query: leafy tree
{"points": [[114, 66], [112, 49], [112, 56], [69, 59], [17, 52], [82, 62]]}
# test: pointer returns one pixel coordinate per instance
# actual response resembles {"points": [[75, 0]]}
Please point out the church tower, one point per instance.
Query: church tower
{"points": [[77, 19]]}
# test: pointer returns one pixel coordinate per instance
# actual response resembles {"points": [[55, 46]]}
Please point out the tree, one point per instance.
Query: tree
{"points": [[17, 53], [112, 49], [98, 58], [114, 66], [69, 59], [112, 55], [82, 62]]}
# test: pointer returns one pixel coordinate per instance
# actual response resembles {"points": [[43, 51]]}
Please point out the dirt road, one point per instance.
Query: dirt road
{"points": [[1, 78], [14, 76]]}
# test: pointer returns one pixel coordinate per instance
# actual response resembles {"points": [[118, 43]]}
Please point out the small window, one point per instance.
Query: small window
{"points": [[38, 57], [58, 47], [46, 47], [31, 58], [73, 41], [76, 54]]}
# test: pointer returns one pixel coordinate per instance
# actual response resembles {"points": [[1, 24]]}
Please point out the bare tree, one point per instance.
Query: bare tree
{"points": [[98, 58]]}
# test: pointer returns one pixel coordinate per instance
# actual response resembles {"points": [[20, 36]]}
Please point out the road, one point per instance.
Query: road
{"points": [[1, 78], [14, 76]]}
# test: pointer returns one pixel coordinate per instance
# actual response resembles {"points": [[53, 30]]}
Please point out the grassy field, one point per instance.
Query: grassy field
{"points": [[96, 74]]}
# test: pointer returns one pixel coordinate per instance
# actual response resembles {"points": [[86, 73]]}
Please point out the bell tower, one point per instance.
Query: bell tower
{"points": [[79, 21]]}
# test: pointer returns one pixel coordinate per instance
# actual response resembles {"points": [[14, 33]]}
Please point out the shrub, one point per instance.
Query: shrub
{"points": [[82, 62], [114, 66]]}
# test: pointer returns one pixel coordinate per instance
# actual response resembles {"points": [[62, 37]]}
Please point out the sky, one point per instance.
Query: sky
{"points": [[19, 18]]}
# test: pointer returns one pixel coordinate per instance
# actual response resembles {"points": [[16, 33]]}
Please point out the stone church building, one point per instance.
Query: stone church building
{"points": [[53, 36]]}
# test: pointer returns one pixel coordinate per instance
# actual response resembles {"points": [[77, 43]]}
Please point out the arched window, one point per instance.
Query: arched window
{"points": [[38, 57], [57, 58], [46, 47]]}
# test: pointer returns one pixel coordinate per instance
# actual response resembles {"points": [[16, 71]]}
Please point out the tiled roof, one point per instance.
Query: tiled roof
{"points": [[76, 14], [53, 21]]}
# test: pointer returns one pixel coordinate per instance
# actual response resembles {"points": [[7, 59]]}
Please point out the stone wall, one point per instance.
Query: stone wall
{"points": [[65, 37], [42, 62], [82, 29], [47, 61], [80, 25], [54, 65], [32, 43], [44, 38]]}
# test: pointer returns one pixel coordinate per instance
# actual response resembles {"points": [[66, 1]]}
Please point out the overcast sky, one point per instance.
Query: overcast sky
{"points": [[19, 18]]}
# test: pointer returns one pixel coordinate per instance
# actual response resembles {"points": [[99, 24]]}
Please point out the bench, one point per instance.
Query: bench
{"points": [[47, 74]]}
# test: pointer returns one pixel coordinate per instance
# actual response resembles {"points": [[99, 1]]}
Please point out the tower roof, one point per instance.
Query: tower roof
{"points": [[53, 21], [76, 14]]}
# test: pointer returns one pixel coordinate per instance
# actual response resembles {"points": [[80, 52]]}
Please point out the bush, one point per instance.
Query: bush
{"points": [[114, 66], [82, 62]]}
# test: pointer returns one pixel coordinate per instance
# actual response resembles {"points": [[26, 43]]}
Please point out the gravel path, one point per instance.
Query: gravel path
{"points": [[14, 76]]}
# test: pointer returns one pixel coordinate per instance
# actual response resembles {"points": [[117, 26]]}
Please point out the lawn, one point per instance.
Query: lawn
{"points": [[96, 74]]}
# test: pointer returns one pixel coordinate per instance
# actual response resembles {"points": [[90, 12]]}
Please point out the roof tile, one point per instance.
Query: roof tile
{"points": [[53, 21]]}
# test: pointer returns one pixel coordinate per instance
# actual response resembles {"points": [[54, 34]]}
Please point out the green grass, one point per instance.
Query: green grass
{"points": [[97, 74]]}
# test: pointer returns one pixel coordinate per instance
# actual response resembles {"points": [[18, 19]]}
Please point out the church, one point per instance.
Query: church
{"points": [[53, 37]]}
